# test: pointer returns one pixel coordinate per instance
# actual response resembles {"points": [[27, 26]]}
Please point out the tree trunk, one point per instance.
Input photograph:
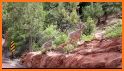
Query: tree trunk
{"points": [[102, 19], [30, 39], [30, 43], [105, 18], [98, 22]]}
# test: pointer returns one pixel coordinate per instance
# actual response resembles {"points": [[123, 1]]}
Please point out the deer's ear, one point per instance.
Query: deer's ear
{"points": [[78, 26]]}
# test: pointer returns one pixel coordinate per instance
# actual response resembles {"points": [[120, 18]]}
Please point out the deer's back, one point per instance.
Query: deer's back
{"points": [[47, 44], [75, 35]]}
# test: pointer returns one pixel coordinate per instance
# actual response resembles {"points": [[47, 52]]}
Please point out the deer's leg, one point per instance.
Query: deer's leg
{"points": [[44, 51], [74, 43]]}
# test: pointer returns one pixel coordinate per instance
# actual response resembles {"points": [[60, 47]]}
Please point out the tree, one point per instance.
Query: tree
{"points": [[100, 11], [24, 22], [110, 9], [63, 15], [29, 24], [94, 11]]}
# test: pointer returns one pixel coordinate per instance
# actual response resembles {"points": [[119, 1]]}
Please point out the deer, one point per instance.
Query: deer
{"points": [[74, 36], [47, 46]]}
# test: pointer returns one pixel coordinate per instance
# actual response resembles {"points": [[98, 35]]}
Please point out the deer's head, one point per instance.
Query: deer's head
{"points": [[81, 26]]}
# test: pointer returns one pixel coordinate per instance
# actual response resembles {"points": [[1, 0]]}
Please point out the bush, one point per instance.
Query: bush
{"points": [[50, 31], [90, 26], [63, 15], [35, 47], [114, 31], [87, 37], [74, 18], [69, 48], [94, 11], [60, 38], [48, 34]]}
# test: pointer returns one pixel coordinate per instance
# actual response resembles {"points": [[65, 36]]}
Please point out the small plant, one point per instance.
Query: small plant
{"points": [[69, 48], [94, 11], [87, 37], [50, 31], [35, 47], [74, 18], [90, 26], [61, 38], [114, 31]]}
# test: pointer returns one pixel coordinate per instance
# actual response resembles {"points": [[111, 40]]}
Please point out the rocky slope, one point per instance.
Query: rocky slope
{"points": [[106, 53]]}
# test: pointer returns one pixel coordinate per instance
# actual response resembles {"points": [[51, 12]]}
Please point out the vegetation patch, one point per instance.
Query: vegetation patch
{"points": [[114, 31]]}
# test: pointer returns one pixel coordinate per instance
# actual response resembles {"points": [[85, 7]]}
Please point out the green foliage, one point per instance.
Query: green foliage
{"points": [[50, 5], [99, 10], [50, 31], [111, 8], [114, 31], [63, 15], [74, 18], [24, 22], [90, 26], [87, 37], [68, 48], [48, 34], [70, 5], [94, 11], [60, 38], [35, 47], [31, 24]]}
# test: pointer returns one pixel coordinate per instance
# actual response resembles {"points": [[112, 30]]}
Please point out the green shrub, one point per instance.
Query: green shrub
{"points": [[50, 31], [74, 18], [69, 48], [114, 31], [48, 34], [90, 26], [94, 11], [87, 37], [36, 49], [62, 16], [60, 38]]}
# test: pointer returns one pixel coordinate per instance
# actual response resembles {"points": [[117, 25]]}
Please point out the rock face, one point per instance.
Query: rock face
{"points": [[103, 54]]}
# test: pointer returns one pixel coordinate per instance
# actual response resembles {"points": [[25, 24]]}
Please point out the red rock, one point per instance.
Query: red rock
{"points": [[105, 54]]}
